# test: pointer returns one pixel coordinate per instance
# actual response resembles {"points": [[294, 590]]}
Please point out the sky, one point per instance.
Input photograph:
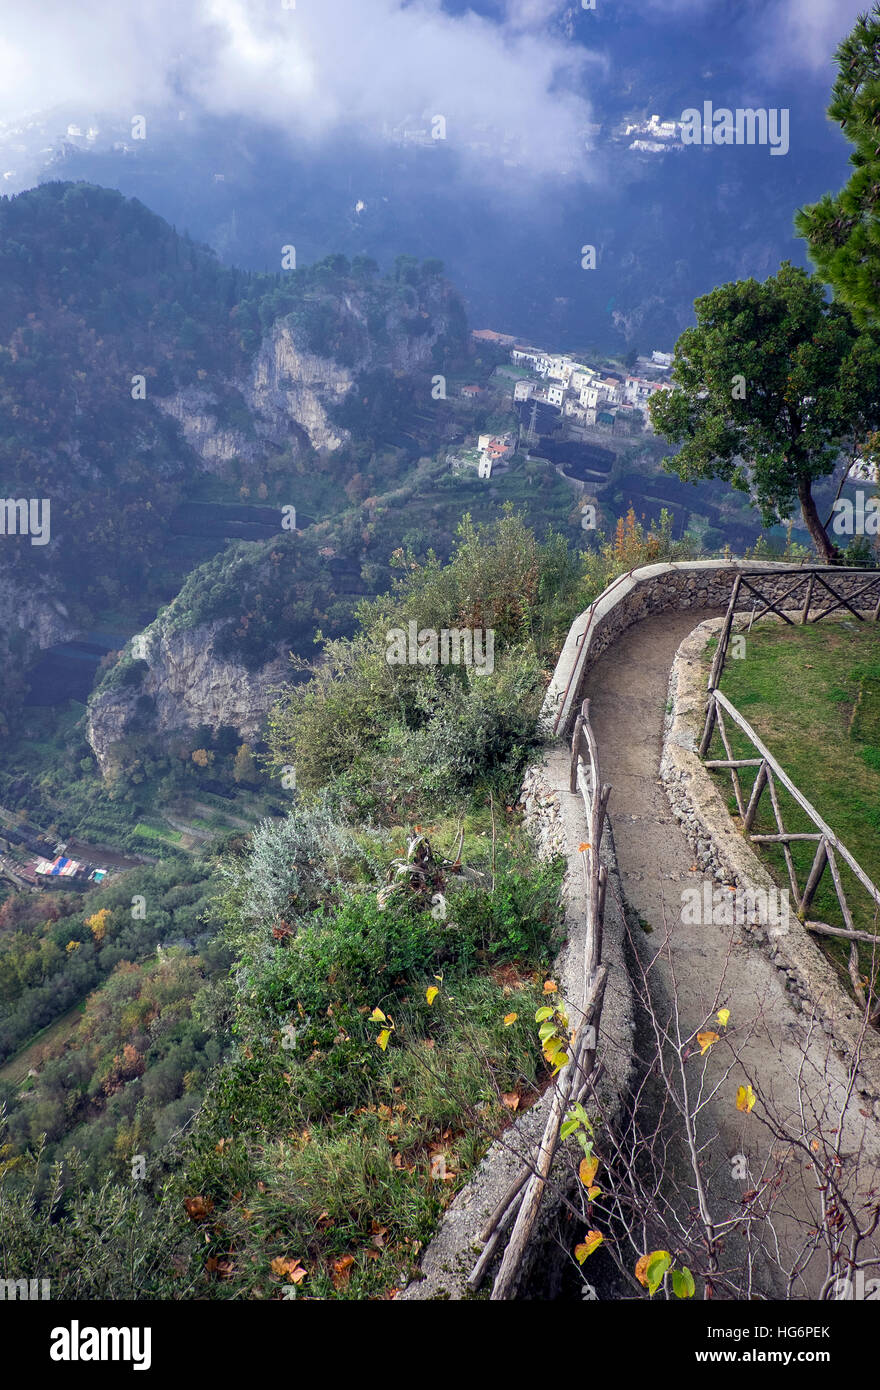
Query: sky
{"points": [[270, 122], [527, 74]]}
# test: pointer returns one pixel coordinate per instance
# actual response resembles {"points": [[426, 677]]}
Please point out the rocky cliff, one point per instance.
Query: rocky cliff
{"points": [[170, 681], [290, 389]]}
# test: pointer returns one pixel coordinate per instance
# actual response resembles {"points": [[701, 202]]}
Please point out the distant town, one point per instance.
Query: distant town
{"points": [[584, 396]]}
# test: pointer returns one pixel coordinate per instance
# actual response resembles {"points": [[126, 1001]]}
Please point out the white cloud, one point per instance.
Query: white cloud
{"points": [[805, 33], [781, 35], [313, 70]]}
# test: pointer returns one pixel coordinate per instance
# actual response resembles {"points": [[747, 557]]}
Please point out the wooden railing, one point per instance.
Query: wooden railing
{"points": [[522, 1200], [829, 848], [812, 595]]}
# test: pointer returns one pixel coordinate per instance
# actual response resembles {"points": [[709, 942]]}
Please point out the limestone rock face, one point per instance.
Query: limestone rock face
{"points": [[290, 390], [178, 684]]}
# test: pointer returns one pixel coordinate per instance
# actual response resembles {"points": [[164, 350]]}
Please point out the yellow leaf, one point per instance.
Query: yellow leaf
{"points": [[550, 987], [383, 1037], [510, 1018], [586, 845], [723, 1015], [593, 1193], [431, 993], [591, 1241], [377, 1016], [745, 1099], [587, 1170], [706, 1040], [641, 1266]]}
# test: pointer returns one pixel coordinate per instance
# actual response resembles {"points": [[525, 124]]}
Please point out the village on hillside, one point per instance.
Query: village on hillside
{"points": [[583, 397]]}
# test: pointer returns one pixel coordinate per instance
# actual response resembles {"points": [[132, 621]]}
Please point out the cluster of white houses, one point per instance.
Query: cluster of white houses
{"points": [[583, 393]]}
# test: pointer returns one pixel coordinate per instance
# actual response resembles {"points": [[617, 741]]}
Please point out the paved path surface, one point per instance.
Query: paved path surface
{"points": [[793, 1069]]}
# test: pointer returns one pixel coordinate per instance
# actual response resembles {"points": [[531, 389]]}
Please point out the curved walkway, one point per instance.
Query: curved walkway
{"points": [[795, 1072]]}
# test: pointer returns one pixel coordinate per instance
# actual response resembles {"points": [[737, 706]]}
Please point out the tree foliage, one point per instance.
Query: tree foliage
{"points": [[772, 384], [842, 229]]}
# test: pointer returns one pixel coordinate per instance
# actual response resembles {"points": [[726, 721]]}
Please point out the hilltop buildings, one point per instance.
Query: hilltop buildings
{"points": [[583, 393]]}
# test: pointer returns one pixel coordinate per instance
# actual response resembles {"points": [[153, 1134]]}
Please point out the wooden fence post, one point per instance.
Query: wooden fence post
{"points": [[805, 611], [816, 872], [751, 809], [708, 731]]}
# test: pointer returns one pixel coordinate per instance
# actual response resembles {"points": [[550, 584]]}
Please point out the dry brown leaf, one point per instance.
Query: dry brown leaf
{"points": [[198, 1208], [342, 1270], [289, 1268]]}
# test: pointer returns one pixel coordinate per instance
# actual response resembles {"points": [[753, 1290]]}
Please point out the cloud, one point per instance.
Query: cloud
{"points": [[781, 35], [805, 33], [512, 84]]}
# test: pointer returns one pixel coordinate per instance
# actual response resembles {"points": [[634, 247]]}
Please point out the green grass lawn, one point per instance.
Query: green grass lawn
{"points": [[811, 694]]}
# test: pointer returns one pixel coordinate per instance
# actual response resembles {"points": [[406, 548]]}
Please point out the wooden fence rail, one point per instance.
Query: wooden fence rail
{"points": [[829, 848], [808, 591], [521, 1203]]}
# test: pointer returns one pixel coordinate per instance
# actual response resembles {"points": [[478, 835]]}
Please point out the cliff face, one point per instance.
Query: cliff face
{"points": [[177, 684], [290, 390]]}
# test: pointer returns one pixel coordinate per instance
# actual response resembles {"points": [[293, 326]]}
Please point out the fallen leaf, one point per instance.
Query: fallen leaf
{"points": [[342, 1270], [510, 1099], [197, 1208], [510, 1018], [286, 1267], [383, 1037], [550, 987], [431, 993]]}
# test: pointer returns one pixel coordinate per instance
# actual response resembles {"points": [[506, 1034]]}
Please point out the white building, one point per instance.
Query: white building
{"points": [[662, 359], [522, 390], [560, 369]]}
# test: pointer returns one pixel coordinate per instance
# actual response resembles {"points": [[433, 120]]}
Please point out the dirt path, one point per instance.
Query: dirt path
{"points": [[793, 1068]]}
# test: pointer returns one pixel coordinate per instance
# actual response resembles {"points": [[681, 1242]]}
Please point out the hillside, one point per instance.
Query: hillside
{"points": [[133, 364]]}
